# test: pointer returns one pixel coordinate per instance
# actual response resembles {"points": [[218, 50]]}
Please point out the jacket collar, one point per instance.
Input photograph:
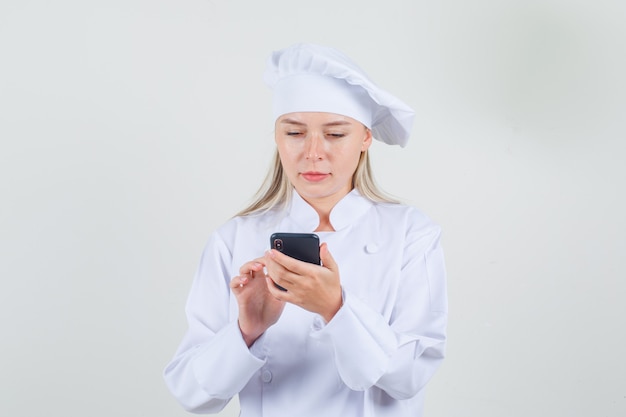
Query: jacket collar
{"points": [[345, 213]]}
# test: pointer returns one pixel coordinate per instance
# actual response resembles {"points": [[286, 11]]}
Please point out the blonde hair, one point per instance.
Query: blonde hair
{"points": [[275, 192]]}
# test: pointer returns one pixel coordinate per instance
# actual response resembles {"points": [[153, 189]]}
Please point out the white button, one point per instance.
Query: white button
{"points": [[371, 248], [318, 324], [266, 376]]}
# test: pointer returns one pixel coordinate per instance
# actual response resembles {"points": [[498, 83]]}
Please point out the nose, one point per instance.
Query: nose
{"points": [[315, 145]]}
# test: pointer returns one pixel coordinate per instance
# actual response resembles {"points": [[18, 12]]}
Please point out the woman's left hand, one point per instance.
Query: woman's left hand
{"points": [[315, 288]]}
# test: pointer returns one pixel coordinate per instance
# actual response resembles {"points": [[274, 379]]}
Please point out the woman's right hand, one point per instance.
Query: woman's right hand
{"points": [[258, 308]]}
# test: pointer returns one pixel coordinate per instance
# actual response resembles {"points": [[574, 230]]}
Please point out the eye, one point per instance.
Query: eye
{"points": [[336, 135], [293, 133]]}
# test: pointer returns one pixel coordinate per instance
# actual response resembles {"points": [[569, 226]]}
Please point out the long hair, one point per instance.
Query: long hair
{"points": [[275, 192]]}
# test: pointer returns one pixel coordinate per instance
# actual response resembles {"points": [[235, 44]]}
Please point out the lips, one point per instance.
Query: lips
{"points": [[314, 176]]}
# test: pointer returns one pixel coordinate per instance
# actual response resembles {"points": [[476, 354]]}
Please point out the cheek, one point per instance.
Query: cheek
{"points": [[285, 154], [345, 164], [349, 157], [290, 149], [289, 159]]}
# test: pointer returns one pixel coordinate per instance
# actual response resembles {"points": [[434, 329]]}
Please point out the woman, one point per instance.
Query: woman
{"points": [[359, 335]]}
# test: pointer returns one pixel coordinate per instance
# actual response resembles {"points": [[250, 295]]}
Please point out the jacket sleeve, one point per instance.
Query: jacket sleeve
{"points": [[212, 363], [398, 354]]}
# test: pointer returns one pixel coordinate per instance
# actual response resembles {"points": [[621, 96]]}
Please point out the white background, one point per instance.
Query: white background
{"points": [[129, 130]]}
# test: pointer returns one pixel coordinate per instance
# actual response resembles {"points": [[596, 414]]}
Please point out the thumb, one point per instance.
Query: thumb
{"points": [[327, 259]]}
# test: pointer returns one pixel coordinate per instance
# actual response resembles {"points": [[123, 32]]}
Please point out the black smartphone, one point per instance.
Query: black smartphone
{"points": [[302, 246]]}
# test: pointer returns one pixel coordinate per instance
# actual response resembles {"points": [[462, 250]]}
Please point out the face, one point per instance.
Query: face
{"points": [[320, 152]]}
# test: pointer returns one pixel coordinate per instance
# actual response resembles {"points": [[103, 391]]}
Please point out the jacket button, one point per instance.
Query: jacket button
{"points": [[266, 376], [371, 248]]}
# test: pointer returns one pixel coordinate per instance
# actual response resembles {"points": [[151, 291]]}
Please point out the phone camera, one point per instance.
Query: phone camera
{"points": [[278, 244]]}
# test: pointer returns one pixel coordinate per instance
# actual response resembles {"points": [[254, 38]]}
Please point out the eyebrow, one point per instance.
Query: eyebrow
{"points": [[298, 123]]}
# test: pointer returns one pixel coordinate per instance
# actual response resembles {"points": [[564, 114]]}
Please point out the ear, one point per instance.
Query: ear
{"points": [[367, 140]]}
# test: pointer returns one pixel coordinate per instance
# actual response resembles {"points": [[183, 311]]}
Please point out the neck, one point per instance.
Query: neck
{"points": [[325, 225], [324, 207], [323, 211]]}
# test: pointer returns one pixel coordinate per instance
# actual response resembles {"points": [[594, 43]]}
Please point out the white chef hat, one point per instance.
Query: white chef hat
{"points": [[306, 77]]}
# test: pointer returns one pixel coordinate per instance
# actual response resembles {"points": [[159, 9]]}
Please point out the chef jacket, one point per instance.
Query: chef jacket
{"points": [[372, 359]]}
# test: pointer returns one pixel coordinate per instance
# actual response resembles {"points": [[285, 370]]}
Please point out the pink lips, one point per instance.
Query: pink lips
{"points": [[314, 176]]}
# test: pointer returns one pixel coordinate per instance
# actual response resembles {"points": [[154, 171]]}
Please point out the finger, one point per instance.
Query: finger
{"points": [[289, 263], [279, 274], [284, 278], [239, 281], [252, 266], [274, 290], [327, 259]]}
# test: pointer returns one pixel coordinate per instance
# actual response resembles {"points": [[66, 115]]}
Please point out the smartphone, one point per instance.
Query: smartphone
{"points": [[302, 246]]}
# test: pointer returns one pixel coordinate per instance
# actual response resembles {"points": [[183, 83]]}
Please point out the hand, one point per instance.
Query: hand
{"points": [[313, 287], [258, 308]]}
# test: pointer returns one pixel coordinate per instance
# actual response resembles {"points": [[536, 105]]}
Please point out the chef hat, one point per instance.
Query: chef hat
{"points": [[312, 78]]}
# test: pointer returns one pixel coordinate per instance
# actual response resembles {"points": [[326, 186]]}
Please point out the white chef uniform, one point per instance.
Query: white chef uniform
{"points": [[372, 359]]}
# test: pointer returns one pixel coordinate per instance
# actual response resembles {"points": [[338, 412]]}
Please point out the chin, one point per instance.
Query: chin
{"points": [[317, 193]]}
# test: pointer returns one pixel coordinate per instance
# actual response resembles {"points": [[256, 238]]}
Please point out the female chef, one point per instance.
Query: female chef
{"points": [[359, 335]]}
